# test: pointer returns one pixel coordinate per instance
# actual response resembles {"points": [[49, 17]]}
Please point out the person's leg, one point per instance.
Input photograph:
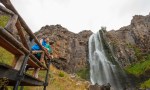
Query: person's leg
{"points": [[42, 57], [36, 72], [36, 54]]}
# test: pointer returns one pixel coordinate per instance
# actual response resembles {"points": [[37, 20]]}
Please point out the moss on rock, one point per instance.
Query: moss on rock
{"points": [[145, 84]]}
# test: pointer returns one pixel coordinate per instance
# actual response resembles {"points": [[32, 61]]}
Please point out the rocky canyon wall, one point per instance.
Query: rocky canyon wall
{"points": [[70, 50], [131, 43]]}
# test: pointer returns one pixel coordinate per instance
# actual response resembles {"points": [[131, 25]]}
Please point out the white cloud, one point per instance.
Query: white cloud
{"points": [[77, 15]]}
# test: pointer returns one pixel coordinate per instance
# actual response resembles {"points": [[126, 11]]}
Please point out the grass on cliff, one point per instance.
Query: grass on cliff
{"points": [[140, 67]]}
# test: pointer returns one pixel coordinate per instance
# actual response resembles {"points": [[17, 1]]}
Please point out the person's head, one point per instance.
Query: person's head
{"points": [[51, 42], [47, 40]]}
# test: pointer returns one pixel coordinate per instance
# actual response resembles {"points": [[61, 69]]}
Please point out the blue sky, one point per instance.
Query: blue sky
{"points": [[78, 15]]}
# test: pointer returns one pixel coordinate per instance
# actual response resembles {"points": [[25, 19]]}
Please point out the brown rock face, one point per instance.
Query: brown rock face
{"points": [[69, 49], [131, 43]]}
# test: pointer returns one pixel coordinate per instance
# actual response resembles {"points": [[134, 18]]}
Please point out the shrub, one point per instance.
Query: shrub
{"points": [[84, 73], [61, 74], [140, 67]]}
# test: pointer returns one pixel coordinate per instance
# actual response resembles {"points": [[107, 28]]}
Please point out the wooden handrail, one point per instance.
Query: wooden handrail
{"points": [[22, 36], [18, 45], [4, 33], [9, 47]]}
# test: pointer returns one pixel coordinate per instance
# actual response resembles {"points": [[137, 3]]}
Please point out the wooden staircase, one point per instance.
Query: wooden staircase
{"points": [[20, 47]]}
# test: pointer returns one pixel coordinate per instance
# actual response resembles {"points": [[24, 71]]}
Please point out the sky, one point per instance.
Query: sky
{"points": [[78, 15]]}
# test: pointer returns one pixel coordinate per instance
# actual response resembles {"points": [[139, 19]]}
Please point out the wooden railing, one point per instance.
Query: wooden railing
{"points": [[13, 37]]}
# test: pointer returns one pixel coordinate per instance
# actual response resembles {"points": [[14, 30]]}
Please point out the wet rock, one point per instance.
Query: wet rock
{"points": [[100, 87]]}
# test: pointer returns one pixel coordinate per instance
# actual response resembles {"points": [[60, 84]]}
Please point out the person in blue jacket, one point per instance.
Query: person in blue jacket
{"points": [[39, 54], [36, 48], [42, 41]]}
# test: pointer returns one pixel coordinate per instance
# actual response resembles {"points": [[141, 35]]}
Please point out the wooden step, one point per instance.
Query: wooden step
{"points": [[6, 72]]}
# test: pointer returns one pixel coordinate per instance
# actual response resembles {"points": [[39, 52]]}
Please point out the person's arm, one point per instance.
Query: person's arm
{"points": [[49, 48], [41, 41], [51, 51]]}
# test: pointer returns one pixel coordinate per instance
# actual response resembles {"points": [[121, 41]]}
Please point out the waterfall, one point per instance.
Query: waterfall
{"points": [[102, 71]]}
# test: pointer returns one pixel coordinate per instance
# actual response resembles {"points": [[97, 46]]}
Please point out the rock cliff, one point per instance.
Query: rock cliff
{"points": [[69, 49], [131, 43]]}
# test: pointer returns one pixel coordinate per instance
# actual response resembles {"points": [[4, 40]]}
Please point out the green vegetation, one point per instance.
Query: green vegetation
{"points": [[84, 73], [3, 20], [146, 84], [140, 67], [5, 56], [25, 88], [137, 51], [61, 74]]}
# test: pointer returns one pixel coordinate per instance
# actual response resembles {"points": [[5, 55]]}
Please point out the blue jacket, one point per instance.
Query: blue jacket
{"points": [[37, 47]]}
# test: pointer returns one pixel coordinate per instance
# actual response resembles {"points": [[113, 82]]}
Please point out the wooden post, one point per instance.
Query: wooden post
{"points": [[18, 62], [47, 75]]}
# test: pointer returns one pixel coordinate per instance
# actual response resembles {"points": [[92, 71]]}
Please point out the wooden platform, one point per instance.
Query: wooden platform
{"points": [[7, 72]]}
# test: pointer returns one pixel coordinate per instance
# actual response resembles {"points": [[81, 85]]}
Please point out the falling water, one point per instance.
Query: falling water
{"points": [[102, 71]]}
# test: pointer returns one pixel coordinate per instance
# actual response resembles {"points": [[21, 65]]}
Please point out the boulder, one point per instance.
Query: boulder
{"points": [[100, 87]]}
